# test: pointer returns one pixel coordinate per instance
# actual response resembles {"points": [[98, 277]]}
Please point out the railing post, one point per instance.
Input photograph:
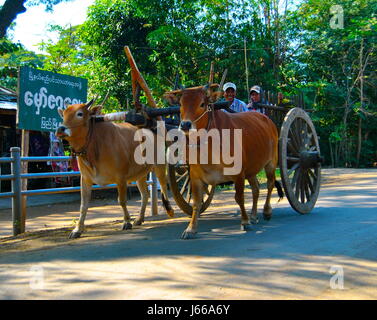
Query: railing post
{"points": [[154, 195], [18, 224]]}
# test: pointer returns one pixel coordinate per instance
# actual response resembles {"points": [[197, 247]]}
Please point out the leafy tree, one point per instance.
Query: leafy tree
{"points": [[12, 56], [110, 26], [11, 8], [67, 55], [330, 65], [278, 45]]}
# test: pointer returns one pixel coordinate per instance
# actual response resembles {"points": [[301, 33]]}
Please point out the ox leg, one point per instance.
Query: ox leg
{"points": [[270, 173], [197, 196], [122, 200], [143, 188], [254, 184], [86, 191], [160, 171], [240, 199]]}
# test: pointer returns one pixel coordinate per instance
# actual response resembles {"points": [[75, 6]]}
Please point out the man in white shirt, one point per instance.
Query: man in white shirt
{"points": [[230, 90]]}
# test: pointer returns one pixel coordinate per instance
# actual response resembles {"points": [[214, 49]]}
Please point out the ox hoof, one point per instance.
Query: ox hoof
{"points": [[254, 219], [267, 217], [74, 235], [138, 222], [186, 235], [245, 227], [170, 213], [127, 226]]}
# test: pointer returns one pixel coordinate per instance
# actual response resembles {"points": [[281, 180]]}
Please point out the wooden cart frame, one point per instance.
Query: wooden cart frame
{"points": [[299, 151]]}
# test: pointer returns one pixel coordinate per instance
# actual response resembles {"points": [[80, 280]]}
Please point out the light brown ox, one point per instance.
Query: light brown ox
{"points": [[259, 151], [106, 155]]}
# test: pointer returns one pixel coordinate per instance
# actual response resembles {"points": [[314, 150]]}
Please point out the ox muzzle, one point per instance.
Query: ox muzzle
{"points": [[62, 132], [185, 125]]}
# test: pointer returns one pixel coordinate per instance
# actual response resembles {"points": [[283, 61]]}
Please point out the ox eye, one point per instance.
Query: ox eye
{"points": [[202, 105], [79, 114]]}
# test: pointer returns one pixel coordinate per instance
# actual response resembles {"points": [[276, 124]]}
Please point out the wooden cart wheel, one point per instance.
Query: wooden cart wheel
{"points": [[179, 181], [300, 160]]}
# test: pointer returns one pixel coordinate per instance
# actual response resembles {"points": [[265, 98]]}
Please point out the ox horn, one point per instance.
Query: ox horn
{"points": [[95, 98], [106, 97], [212, 93], [89, 103], [92, 102], [173, 97]]}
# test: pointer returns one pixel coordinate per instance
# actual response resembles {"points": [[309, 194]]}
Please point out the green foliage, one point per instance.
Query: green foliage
{"points": [[332, 62], [12, 56], [111, 25], [289, 48]]}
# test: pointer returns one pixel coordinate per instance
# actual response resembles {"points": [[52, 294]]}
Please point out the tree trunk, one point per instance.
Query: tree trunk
{"points": [[331, 155], [361, 103], [8, 13], [358, 145]]}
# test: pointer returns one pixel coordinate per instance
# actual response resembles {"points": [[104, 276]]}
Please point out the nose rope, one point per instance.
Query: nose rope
{"points": [[211, 119], [83, 151], [209, 109]]}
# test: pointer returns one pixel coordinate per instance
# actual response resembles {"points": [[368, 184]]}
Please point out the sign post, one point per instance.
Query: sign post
{"points": [[40, 95]]}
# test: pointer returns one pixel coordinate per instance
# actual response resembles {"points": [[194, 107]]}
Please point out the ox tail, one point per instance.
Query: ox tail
{"points": [[167, 206], [279, 190]]}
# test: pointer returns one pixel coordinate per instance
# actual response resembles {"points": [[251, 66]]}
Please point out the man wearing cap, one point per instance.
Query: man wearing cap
{"points": [[230, 95], [255, 98]]}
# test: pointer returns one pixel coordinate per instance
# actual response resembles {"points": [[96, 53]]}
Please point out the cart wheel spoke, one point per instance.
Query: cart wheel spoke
{"points": [[310, 184], [185, 184], [294, 167], [302, 186], [179, 182], [293, 159], [314, 176], [295, 143], [182, 176], [306, 187], [292, 149]]}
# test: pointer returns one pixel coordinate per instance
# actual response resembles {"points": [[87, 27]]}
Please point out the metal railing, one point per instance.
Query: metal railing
{"points": [[19, 196]]}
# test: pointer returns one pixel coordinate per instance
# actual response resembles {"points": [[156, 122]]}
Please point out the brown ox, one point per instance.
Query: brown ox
{"points": [[106, 155], [259, 150]]}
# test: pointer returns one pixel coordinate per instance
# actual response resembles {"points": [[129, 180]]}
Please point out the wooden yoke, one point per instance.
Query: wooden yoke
{"points": [[211, 73], [223, 79], [139, 82]]}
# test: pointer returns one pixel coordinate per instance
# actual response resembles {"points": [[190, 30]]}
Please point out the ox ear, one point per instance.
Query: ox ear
{"points": [[95, 110], [213, 92], [60, 111], [173, 98]]}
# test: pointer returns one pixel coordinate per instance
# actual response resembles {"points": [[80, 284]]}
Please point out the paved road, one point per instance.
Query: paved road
{"points": [[330, 253]]}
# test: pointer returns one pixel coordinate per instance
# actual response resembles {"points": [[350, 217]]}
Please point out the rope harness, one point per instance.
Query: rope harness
{"points": [[83, 152], [210, 109]]}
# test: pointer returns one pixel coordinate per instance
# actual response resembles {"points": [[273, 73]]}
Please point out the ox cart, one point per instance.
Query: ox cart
{"points": [[299, 151]]}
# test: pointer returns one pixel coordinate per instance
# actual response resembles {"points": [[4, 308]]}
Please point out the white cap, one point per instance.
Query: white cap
{"points": [[229, 85], [256, 89]]}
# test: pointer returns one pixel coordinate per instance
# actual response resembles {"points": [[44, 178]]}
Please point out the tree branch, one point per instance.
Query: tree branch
{"points": [[8, 13]]}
